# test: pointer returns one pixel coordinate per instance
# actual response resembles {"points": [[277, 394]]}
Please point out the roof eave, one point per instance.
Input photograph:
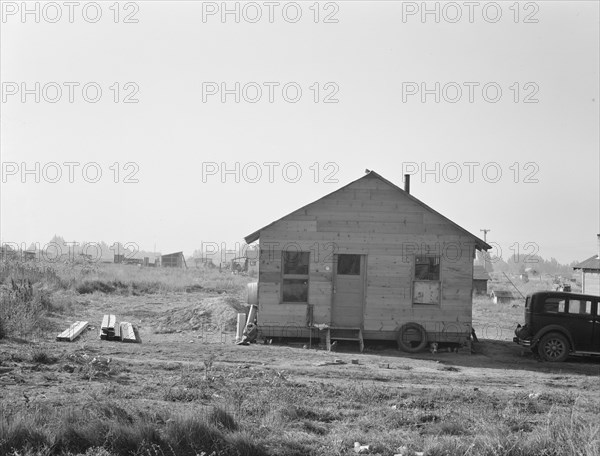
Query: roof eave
{"points": [[254, 236]]}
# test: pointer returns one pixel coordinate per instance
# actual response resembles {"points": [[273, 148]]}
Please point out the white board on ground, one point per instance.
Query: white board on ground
{"points": [[73, 332], [127, 332]]}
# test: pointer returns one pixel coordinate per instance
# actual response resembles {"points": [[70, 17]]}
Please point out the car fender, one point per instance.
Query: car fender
{"points": [[552, 328]]}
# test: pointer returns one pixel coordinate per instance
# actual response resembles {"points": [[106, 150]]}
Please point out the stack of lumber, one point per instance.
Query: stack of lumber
{"points": [[69, 335], [110, 328]]}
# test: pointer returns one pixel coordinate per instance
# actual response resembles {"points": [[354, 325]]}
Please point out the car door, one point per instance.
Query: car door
{"points": [[596, 336], [579, 320]]}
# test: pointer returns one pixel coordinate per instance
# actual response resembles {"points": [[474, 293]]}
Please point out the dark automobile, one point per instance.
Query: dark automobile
{"points": [[558, 324]]}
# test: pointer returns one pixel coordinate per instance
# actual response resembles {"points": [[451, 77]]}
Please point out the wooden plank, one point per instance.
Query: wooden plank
{"points": [[295, 225], [117, 334], [68, 335], [127, 332], [108, 323]]}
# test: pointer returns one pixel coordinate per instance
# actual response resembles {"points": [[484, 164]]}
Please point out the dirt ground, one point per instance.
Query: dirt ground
{"points": [[182, 330]]}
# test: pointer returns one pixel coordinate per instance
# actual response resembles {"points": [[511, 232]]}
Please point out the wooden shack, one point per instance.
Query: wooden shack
{"points": [[173, 260], [501, 296], [363, 261], [590, 275], [480, 280]]}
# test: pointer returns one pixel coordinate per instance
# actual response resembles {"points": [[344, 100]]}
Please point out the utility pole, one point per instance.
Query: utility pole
{"points": [[485, 232]]}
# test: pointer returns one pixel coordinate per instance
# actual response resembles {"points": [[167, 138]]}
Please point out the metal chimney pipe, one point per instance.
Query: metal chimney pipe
{"points": [[407, 186]]}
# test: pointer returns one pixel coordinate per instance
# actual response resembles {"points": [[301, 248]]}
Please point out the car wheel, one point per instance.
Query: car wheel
{"points": [[553, 347]]}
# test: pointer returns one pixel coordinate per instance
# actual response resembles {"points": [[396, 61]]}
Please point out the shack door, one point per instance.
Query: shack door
{"points": [[348, 290]]}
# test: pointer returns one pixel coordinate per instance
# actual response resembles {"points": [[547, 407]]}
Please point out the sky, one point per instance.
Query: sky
{"points": [[172, 125]]}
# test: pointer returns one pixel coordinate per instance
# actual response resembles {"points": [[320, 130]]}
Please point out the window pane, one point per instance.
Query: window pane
{"points": [[580, 307], [348, 264], [574, 306], [295, 290], [427, 268], [295, 262], [554, 305]]}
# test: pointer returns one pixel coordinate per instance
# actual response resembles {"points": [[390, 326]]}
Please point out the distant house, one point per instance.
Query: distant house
{"points": [[524, 277], [501, 296], [590, 275], [7, 253], [173, 260], [480, 280], [29, 255]]}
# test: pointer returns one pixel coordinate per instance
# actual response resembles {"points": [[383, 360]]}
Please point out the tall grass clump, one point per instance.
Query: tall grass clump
{"points": [[108, 428], [26, 291]]}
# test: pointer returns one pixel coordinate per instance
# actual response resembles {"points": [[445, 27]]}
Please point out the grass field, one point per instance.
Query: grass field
{"points": [[188, 390]]}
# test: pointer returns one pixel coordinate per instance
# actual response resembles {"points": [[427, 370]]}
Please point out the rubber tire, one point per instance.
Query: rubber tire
{"points": [[550, 343], [406, 347]]}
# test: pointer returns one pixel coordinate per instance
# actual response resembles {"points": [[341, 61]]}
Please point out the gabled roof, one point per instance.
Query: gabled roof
{"points": [[479, 243], [172, 254], [591, 263], [479, 273]]}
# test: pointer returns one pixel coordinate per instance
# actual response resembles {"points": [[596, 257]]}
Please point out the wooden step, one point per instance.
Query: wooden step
{"points": [[346, 334]]}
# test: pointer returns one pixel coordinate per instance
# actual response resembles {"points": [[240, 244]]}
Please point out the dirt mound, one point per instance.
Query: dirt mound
{"points": [[217, 311]]}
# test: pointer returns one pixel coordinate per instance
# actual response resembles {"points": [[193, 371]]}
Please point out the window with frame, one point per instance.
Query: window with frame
{"points": [[427, 267], [554, 305], [580, 307], [426, 284], [295, 277]]}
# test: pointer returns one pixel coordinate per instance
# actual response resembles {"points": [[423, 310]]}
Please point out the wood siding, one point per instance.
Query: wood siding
{"points": [[371, 218], [591, 283]]}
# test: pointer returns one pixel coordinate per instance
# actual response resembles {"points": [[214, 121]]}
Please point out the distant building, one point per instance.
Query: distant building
{"points": [[590, 275], [173, 260], [501, 296], [7, 253], [29, 255], [480, 280], [524, 277]]}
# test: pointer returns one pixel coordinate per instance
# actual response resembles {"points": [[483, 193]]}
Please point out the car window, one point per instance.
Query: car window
{"points": [[554, 305], [580, 307]]}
